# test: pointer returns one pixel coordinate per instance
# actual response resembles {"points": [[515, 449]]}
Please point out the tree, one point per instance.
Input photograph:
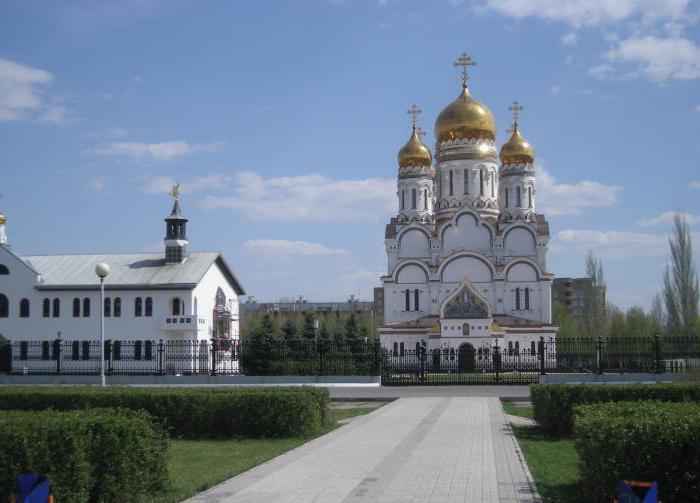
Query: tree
{"points": [[257, 352], [638, 323], [562, 318], [308, 330], [617, 325], [656, 315], [289, 333], [351, 327], [595, 316], [680, 289]]}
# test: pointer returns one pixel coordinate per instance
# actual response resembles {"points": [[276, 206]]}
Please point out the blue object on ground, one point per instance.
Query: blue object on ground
{"points": [[31, 489], [637, 492]]}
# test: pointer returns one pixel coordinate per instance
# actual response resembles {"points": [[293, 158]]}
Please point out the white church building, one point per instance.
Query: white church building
{"points": [[467, 250], [175, 295]]}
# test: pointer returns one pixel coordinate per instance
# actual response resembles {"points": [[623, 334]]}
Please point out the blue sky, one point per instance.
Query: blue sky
{"points": [[282, 120]]}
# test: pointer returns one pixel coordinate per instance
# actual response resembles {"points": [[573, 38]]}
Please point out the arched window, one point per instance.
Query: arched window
{"points": [[451, 182], [517, 347], [75, 350], [465, 329], [149, 306], [527, 299], [510, 347], [24, 308], [76, 307], [481, 182], [416, 299], [117, 350], [493, 185], [56, 308], [176, 307], [137, 350], [148, 350], [138, 307], [529, 197], [86, 307], [517, 299], [533, 348], [414, 199], [403, 199], [408, 300], [4, 269], [117, 307], [396, 349], [108, 307], [518, 200], [425, 199], [466, 181], [506, 193], [86, 350], [4, 306], [45, 350], [480, 353], [24, 350], [401, 349], [46, 308]]}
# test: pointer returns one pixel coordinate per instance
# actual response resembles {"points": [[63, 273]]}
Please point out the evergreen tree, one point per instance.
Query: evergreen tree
{"points": [[363, 334], [289, 333], [680, 290], [351, 328], [308, 331]]}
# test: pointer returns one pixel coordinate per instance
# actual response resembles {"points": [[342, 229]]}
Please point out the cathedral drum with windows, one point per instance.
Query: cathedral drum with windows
{"points": [[467, 252]]}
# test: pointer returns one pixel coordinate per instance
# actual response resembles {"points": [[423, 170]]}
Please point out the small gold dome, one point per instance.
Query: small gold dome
{"points": [[414, 152], [2, 218], [465, 118], [517, 150]]}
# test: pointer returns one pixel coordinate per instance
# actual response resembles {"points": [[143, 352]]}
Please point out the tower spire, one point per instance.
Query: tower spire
{"points": [[464, 61], [175, 231]]}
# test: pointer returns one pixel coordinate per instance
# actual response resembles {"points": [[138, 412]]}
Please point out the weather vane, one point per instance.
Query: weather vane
{"points": [[464, 61], [414, 112], [175, 191], [516, 108]]}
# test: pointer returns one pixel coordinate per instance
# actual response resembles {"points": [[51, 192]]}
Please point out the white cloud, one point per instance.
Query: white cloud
{"points": [[570, 38], [308, 198], [610, 244], [164, 151], [96, 183], [163, 184], [284, 249], [57, 114], [590, 12], [570, 199], [667, 219], [694, 185], [20, 89], [555, 89], [655, 58]]}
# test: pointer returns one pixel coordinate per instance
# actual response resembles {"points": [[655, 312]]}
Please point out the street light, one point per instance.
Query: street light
{"points": [[102, 270]]}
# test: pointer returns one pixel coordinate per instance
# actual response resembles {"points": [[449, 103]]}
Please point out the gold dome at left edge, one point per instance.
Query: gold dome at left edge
{"points": [[517, 149], [414, 152], [2, 218]]}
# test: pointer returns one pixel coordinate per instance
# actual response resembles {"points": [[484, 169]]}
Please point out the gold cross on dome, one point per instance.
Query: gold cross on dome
{"points": [[516, 108], [464, 61], [421, 132], [414, 112], [175, 191], [510, 129]]}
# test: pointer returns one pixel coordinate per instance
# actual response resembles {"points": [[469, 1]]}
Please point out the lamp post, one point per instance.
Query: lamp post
{"points": [[102, 270]]}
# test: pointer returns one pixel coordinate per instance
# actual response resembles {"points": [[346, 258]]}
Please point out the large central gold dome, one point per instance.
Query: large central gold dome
{"points": [[465, 118]]}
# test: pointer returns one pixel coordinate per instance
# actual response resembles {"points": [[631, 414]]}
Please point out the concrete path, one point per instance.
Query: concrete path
{"points": [[391, 392], [431, 449]]}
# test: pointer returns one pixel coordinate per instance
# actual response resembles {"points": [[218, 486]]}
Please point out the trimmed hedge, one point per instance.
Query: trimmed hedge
{"points": [[88, 455], [553, 403], [192, 412], [642, 441]]}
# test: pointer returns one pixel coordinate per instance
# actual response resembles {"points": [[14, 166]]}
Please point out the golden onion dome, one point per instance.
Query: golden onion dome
{"points": [[517, 150], [414, 152], [465, 118], [2, 218]]}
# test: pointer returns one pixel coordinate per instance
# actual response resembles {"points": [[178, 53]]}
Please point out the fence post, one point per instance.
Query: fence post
{"points": [[657, 353], [497, 360], [213, 356], [110, 356], [58, 347], [422, 353], [160, 357], [541, 350], [599, 355]]}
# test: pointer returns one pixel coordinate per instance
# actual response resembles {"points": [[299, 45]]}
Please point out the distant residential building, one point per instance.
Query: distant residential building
{"points": [[570, 293]]}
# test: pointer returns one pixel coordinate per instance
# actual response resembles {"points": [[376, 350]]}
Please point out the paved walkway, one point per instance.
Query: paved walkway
{"points": [[391, 392], [432, 449]]}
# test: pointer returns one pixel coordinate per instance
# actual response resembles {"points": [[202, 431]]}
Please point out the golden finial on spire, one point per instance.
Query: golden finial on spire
{"points": [[175, 191], [464, 61], [414, 112], [516, 108]]}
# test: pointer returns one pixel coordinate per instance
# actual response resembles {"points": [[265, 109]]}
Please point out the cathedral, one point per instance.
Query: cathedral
{"points": [[467, 250]]}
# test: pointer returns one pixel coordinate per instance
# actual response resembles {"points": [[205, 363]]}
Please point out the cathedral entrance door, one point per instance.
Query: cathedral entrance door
{"points": [[466, 358]]}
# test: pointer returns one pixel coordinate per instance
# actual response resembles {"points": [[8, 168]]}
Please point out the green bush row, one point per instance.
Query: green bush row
{"points": [[553, 403], [192, 412], [88, 455], [640, 441]]}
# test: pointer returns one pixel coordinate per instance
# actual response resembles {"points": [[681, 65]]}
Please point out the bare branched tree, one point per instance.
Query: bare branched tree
{"points": [[595, 320], [680, 290]]}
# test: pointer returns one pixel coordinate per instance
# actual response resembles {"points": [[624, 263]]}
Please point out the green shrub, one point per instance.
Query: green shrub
{"points": [[192, 412], [642, 441], [553, 403], [88, 455]]}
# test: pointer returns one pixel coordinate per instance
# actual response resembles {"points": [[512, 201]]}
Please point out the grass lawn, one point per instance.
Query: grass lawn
{"points": [[517, 410], [553, 464], [196, 465]]}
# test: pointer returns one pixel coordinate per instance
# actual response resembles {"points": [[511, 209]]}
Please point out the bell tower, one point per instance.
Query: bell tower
{"points": [[175, 232]]}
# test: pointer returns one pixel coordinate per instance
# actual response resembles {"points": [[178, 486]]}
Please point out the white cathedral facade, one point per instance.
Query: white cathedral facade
{"points": [[467, 250]]}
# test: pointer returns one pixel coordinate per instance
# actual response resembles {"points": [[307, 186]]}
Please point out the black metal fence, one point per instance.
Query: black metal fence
{"points": [[228, 357], [494, 363]]}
